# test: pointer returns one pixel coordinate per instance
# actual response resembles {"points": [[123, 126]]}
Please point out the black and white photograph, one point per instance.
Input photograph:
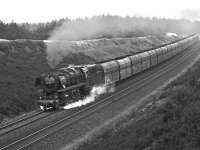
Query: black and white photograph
{"points": [[99, 75]]}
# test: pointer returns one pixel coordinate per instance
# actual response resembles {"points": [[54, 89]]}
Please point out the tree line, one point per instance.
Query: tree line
{"points": [[122, 27], [36, 31]]}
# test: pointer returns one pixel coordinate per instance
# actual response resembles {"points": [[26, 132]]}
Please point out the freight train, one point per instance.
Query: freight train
{"points": [[67, 85]]}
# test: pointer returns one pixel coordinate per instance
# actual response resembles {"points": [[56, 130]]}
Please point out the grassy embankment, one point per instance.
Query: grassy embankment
{"points": [[21, 61], [170, 122]]}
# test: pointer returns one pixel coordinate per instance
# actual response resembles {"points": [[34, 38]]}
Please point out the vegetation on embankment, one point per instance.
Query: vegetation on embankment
{"points": [[21, 61], [91, 51], [171, 122]]}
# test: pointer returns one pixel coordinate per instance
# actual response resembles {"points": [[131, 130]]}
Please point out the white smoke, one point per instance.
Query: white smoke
{"points": [[56, 51], [63, 40], [80, 36], [94, 93], [171, 34]]}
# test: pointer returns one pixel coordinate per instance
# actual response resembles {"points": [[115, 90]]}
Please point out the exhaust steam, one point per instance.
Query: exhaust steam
{"points": [[94, 93]]}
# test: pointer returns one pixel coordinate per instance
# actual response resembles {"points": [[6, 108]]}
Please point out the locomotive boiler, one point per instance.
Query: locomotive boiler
{"points": [[67, 85]]}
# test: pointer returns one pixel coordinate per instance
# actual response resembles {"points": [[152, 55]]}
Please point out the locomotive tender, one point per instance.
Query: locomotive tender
{"points": [[67, 85]]}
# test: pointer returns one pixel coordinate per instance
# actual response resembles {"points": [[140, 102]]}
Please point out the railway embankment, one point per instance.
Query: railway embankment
{"points": [[169, 119], [21, 61]]}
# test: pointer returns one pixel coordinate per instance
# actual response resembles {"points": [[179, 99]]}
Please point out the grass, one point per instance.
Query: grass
{"points": [[173, 125]]}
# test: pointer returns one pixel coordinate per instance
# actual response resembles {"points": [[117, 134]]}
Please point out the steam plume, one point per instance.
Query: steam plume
{"points": [[95, 92], [74, 36], [66, 38]]}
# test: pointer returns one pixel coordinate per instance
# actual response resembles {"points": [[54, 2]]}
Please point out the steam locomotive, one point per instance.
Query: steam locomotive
{"points": [[67, 85]]}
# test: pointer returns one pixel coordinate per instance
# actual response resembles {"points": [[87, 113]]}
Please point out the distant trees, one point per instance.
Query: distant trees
{"points": [[113, 26], [37, 31]]}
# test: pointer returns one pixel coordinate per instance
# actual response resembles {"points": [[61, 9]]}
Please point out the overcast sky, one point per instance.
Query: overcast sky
{"points": [[47, 10]]}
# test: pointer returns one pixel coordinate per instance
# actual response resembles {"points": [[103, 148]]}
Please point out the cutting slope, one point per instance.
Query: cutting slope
{"points": [[100, 49]]}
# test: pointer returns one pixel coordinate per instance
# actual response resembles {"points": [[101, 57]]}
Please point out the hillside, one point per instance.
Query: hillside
{"points": [[169, 122], [21, 61]]}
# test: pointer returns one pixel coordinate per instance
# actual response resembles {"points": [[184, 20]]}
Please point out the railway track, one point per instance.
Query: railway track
{"points": [[21, 118], [23, 121], [33, 138]]}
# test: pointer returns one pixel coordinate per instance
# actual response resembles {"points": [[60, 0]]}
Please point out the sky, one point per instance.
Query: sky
{"points": [[34, 11]]}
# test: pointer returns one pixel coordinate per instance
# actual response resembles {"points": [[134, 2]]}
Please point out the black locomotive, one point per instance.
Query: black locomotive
{"points": [[66, 85]]}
